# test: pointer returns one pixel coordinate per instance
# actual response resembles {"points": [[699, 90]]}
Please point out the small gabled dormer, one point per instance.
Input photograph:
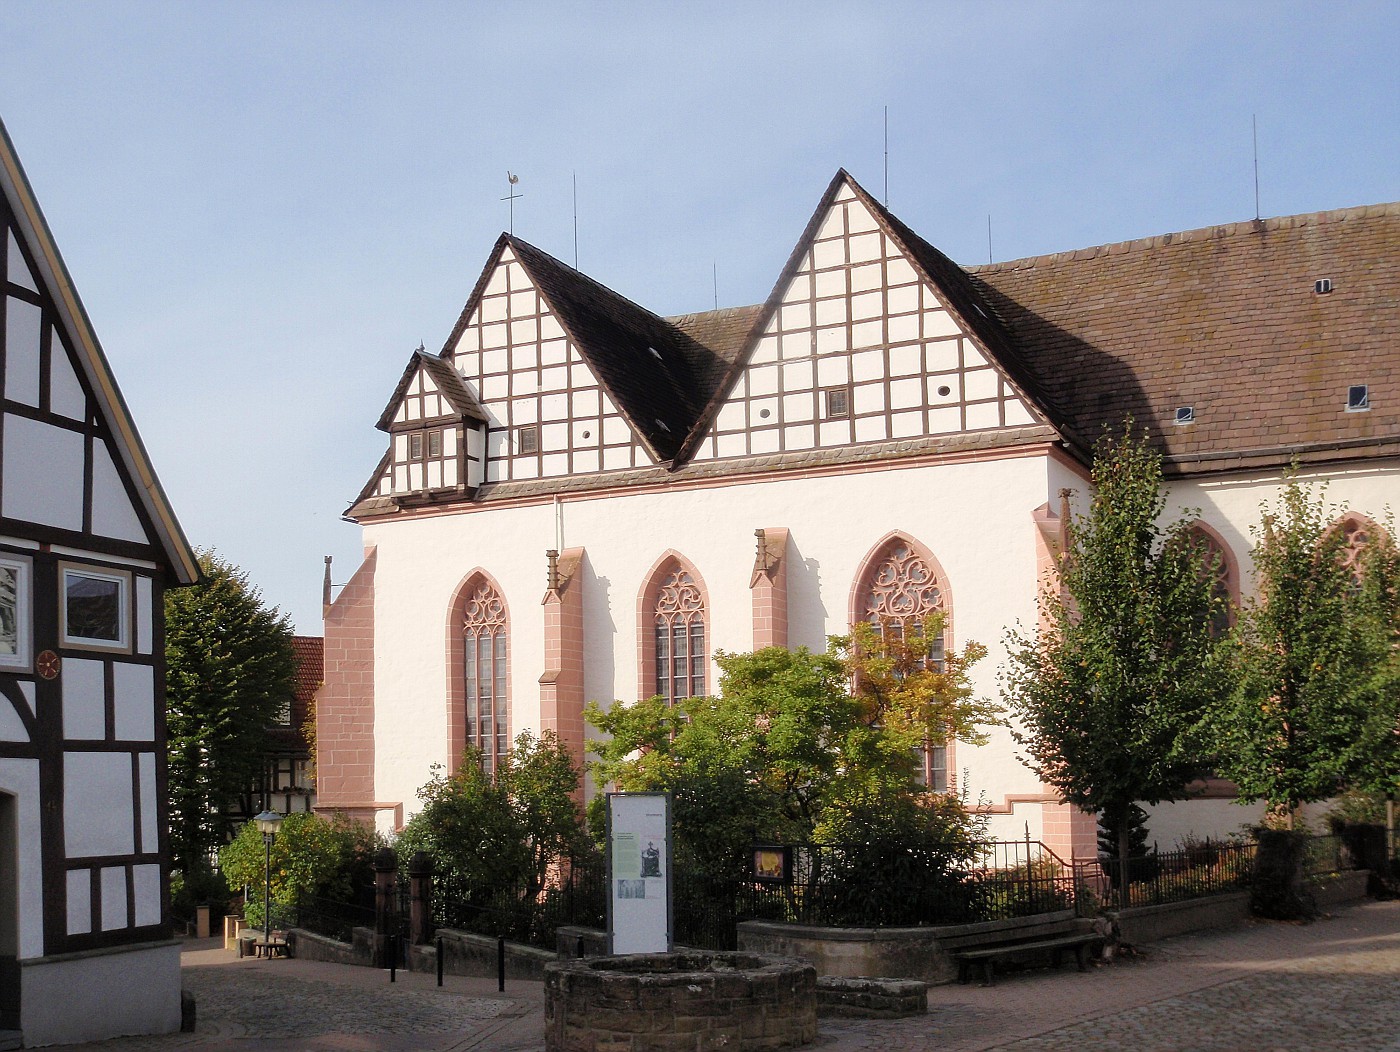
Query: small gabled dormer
{"points": [[437, 435]]}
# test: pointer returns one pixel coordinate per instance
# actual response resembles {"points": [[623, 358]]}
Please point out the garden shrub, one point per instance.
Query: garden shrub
{"points": [[1279, 890], [328, 858]]}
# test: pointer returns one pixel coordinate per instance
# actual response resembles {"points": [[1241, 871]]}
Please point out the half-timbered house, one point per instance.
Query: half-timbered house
{"points": [[583, 500], [88, 544]]}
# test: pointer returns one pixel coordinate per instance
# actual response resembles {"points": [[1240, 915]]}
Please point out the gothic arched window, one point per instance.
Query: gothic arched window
{"points": [[900, 586], [1221, 568], [1357, 533], [674, 647], [484, 651]]}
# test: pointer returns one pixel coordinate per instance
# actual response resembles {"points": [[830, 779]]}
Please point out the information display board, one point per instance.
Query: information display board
{"points": [[639, 873]]}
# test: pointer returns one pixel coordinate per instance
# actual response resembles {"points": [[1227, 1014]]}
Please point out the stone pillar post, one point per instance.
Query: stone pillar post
{"points": [[386, 879], [420, 890]]}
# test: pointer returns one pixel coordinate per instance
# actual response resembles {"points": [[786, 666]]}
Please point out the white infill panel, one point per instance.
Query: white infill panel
{"points": [[134, 701], [84, 699], [23, 325], [18, 271], [114, 907], [43, 474], [97, 805], [150, 839], [146, 885], [112, 512], [11, 726], [79, 901], [66, 397]]}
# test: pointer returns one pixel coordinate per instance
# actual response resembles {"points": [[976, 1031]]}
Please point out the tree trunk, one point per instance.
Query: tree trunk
{"points": [[1124, 876]]}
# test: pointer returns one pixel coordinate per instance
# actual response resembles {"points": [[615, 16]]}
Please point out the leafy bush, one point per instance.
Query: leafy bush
{"points": [[205, 887], [311, 856], [497, 844], [1279, 890]]}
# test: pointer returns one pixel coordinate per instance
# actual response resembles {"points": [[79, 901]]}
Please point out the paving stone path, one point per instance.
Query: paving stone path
{"points": [[1262, 987]]}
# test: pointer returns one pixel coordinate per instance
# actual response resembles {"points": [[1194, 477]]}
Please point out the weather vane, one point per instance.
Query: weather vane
{"points": [[511, 197]]}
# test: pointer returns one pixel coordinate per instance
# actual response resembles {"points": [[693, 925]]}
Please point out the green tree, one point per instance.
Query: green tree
{"points": [[490, 835], [326, 858], [786, 752], [1112, 692], [541, 783], [229, 669], [1316, 704]]}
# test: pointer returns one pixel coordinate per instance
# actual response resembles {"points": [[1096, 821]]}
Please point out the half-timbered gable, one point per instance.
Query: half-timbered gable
{"points": [[862, 343], [88, 544]]}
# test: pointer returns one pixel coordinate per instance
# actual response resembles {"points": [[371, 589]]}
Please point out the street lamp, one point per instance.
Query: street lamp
{"points": [[267, 823]]}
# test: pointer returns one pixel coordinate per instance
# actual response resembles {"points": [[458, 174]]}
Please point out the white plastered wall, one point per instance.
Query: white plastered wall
{"points": [[974, 517], [1231, 504]]}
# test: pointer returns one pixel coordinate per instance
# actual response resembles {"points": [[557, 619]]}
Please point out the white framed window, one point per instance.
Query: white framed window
{"points": [[16, 612], [95, 608]]}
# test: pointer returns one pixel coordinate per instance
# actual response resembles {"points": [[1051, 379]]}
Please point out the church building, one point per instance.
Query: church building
{"points": [[88, 544], [582, 500]]}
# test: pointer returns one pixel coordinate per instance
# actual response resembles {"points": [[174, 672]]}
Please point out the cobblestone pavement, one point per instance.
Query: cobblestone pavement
{"points": [[1334, 984]]}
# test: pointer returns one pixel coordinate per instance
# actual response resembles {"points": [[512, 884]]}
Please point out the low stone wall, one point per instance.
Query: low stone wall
{"points": [[466, 953], [570, 940], [1142, 924], [308, 946], [659, 1001], [908, 953], [870, 998]]}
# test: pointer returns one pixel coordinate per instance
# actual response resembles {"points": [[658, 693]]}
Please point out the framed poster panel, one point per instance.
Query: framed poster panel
{"points": [[639, 873]]}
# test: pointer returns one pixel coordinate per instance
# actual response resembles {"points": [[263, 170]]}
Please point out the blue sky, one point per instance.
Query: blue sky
{"points": [[266, 206]]}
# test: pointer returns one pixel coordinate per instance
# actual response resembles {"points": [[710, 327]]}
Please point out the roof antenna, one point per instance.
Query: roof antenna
{"points": [[887, 157], [511, 197], [989, 237], [714, 276], [576, 220], [1255, 118]]}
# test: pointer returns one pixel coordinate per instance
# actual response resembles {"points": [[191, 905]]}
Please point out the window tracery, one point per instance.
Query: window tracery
{"points": [[679, 637], [901, 589], [485, 633]]}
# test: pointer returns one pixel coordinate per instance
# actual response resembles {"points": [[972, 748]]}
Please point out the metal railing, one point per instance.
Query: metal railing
{"points": [[1196, 870], [572, 893]]}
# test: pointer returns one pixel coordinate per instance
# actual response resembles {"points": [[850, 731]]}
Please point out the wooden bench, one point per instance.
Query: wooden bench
{"points": [[1052, 936], [252, 943]]}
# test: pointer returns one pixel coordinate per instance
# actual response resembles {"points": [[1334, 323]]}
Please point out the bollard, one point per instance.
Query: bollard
{"points": [[393, 958], [439, 959], [501, 964]]}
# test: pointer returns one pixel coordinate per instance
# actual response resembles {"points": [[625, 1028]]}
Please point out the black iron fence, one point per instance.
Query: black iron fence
{"points": [[1196, 870], [573, 892], [857, 886], [837, 886], [333, 918]]}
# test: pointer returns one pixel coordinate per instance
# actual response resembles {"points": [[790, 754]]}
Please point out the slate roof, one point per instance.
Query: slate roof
{"points": [[1224, 319]]}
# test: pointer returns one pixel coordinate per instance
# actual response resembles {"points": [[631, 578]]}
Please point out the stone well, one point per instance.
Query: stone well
{"points": [[679, 1002]]}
